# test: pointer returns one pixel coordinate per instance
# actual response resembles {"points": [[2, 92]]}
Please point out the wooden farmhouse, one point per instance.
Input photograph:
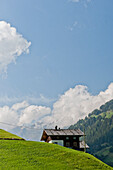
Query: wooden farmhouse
{"points": [[64, 137]]}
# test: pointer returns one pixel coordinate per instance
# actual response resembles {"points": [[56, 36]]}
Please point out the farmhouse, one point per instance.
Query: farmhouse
{"points": [[64, 137]]}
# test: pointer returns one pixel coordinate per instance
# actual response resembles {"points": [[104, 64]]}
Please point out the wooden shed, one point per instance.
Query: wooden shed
{"points": [[64, 137]]}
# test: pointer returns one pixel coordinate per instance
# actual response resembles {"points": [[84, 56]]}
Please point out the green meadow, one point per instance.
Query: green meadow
{"points": [[7, 135], [16, 154], [21, 154]]}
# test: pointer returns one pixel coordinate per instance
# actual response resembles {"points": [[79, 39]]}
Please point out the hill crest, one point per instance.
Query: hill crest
{"points": [[4, 135]]}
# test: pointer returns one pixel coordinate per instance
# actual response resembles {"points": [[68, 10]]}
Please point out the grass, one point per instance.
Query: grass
{"points": [[6, 135], [15, 154]]}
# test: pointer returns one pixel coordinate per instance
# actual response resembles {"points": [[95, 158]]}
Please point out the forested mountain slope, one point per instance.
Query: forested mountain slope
{"points": [[99, 132]]}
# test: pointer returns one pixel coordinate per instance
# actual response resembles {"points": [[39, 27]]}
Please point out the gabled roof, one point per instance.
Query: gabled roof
{"points": [[64, 132]]}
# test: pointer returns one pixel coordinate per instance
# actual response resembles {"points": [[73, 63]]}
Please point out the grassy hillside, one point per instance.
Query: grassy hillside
{"points": [[15, 154], [6, 135], [99, 132]]}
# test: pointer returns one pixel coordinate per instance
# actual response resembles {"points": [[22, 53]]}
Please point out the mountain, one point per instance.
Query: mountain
{"points": [[99, 132], [20, 154]]}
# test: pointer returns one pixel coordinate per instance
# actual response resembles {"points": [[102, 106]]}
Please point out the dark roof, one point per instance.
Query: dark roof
{"points": [[82, 145], [64, 132]]}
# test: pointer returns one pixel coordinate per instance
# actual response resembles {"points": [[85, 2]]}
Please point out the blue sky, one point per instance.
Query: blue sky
{"points": [[59, 57], [71, 44]]}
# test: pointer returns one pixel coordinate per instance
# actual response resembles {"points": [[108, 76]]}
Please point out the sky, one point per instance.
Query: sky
{"points": [[55, 60]]}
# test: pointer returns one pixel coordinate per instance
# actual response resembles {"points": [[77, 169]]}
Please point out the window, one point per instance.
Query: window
{"points": [[67, 138], [74, 138], [75, 144], [55, 142], [67, 144]]}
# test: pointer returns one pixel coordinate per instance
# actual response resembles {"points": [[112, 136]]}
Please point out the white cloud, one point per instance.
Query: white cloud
{"points": [[83, 2], [74, 104], [12, 45], [19, 106], [22, 113], [4, 99], [87, 1], [73, 26], [8, 115], [74, 0], [33, 113]]}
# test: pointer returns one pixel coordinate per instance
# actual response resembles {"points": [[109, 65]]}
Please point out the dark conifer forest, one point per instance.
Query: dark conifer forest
{"points": [[99, 132]]}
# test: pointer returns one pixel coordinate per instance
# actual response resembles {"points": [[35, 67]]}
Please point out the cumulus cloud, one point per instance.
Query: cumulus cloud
{"points": [[76, 103], [12, 45], [22, 113], [33, 113], [19, 106]]}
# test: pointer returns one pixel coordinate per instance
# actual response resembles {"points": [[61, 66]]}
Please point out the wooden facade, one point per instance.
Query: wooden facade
{"points": [[67, 141], [64, 137]]}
